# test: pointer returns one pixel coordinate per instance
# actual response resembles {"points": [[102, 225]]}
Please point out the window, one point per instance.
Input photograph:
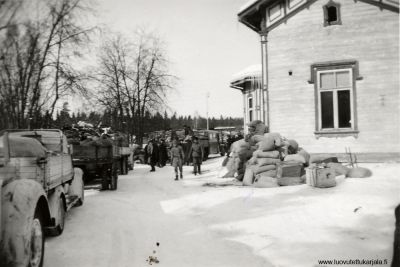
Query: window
{"points": [[335, 99], [332, 14], [250, 108]]}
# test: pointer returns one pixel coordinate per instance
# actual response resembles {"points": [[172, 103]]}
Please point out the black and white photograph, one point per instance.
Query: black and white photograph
{"points": [[208, 133]]}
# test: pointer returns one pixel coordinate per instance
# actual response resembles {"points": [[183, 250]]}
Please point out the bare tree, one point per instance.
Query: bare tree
{"points": [[34, 68], [134, 78], [8, 10]]}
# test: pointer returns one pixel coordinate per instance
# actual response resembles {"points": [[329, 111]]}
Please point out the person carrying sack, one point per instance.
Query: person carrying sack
{"points": [[197, 152], [177, 156]]}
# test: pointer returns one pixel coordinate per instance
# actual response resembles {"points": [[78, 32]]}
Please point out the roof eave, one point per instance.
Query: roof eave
{"points": [[251, 26]]}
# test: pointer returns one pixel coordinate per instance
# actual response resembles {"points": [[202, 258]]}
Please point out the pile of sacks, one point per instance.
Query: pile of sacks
{"points": [[256, 159], [262, 166], [272, 151]]}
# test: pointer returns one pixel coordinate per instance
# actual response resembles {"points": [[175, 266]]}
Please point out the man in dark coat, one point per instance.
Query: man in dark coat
{"points": [[163, 154]]}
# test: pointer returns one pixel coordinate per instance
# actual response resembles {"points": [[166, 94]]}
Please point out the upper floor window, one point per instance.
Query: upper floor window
{"points": [[332, 14]]}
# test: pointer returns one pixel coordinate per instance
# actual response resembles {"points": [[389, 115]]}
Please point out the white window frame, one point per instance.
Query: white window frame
{"points": [[335, 99]]}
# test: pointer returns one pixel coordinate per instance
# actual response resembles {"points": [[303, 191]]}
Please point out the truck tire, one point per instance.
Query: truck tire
{"points": [[222, 151], [36, 254], [127, 165], [104, 179], [206, 153], [114, 181], [124, 169], [61, 214]]}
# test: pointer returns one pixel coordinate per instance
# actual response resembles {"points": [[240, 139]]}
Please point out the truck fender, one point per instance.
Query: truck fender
{"points": [[19, 201], [54, 205]]}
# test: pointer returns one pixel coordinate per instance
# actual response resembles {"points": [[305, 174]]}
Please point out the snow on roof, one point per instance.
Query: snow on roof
{"points": [[249, 72], [247, 5]]}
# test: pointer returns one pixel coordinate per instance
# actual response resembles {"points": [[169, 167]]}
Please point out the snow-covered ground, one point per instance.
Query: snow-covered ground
{"points": [[209, 221], [299, 225]]}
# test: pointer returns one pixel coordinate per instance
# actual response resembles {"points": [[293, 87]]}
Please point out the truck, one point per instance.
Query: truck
{"points": [[211, 141], [38, 186], [102, 162]]}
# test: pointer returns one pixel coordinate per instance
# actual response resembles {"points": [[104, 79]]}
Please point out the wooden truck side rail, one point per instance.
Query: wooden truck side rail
{"points": [[38, 185]]}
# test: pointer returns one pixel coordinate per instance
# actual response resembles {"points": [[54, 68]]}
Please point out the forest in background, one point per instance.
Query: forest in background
{"points": [[152, 122]]}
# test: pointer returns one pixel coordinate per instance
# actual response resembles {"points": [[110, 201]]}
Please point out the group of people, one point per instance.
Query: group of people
{"points": [[157, 153]]}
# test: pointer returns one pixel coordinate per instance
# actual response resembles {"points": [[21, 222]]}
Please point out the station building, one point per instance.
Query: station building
{"points": [[329, 74]]}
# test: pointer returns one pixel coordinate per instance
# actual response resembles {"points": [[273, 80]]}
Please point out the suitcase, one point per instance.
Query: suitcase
{"points": [[320, 176]]}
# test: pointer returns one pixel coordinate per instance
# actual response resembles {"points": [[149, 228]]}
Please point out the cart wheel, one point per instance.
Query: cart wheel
{"points": [[104, 180], [114, 181]]}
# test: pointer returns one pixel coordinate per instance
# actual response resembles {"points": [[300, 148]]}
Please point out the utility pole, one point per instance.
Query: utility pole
{"points": [[207, 97]]}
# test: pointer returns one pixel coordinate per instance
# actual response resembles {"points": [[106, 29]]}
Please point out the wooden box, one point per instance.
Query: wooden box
{"points": [[322, 177], [289, 173]]}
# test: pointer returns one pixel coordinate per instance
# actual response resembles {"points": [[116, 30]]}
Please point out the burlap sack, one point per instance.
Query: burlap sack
{"points": [[259, 169], [293, 146], [252, 160], [266, 154], [277, 138], [231, 168], [267, 161], [239, 145], [257, 138], [245, 155], [268, 144], [305, 155], [262, 181], [248, 178], [295, 158], [338, 168], [358, 172]]}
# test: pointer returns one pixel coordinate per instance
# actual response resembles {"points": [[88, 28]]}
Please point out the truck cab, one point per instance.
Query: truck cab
{"points": [[38, 185]]}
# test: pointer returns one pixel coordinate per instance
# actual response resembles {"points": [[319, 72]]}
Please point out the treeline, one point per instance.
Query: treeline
{"points": [[152, 122]]}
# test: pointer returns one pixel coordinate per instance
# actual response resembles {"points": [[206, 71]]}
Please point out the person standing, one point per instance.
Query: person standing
{"points": [[177, 157], [197, 153], [163, 154], [152, 152]]}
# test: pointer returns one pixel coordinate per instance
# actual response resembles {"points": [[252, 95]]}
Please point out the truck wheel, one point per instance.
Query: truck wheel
{"points": [[37, 242], [104, 180], [123, 167], [61, 215], [114, 181], [127, 165], [222, 151]]}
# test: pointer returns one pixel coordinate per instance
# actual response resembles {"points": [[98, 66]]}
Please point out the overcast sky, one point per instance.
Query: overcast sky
{"points": [[205, 43]]}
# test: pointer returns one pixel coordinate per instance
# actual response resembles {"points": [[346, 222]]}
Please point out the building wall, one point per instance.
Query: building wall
{"points": [[367, 34], [252, 90]]}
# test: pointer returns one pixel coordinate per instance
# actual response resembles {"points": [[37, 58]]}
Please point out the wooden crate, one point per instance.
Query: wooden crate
{"points": [[289, 173], [319, 176]]}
